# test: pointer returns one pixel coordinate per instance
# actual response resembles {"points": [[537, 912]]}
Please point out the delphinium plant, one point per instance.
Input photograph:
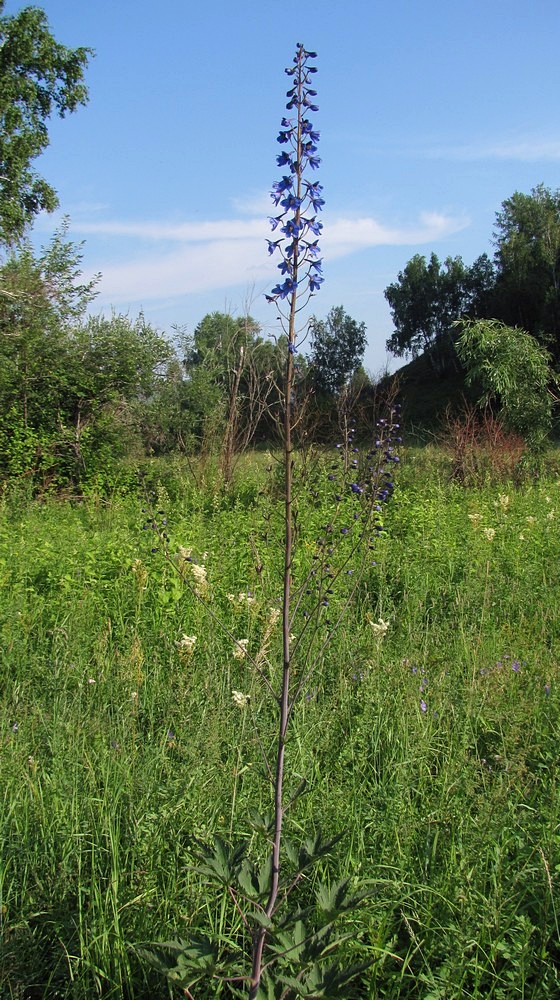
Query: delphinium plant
{"points": [[285, 945]]}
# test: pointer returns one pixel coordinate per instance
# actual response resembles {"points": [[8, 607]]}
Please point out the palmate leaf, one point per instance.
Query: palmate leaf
{"points": [[303, 945], [247, 879], [220, 861], [182, 962], [331, 982], [334, 900], [314, 848], [255, 880], [262, 822], [291, 943], [311, 850]]}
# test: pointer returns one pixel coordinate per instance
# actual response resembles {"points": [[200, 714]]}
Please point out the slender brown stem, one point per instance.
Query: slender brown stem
{"points": [[284, 699]]}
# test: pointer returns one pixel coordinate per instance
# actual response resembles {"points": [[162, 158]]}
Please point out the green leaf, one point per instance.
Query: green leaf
{"points": [[177, 960], [261, 823], [261, 918], [315, 848], [334, 900], [221, 861]]}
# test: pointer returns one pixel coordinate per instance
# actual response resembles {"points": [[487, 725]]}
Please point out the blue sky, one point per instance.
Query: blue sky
{"points": [[431, 114]]}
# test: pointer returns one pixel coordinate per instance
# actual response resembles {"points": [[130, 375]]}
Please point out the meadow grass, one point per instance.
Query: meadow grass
{"points": [[434, 746]]}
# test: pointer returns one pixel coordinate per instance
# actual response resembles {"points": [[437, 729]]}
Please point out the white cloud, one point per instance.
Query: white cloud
{"points": [[187, 270], [256, 204], [196, 257], [525, 150], [345, 236], [182, 232]]}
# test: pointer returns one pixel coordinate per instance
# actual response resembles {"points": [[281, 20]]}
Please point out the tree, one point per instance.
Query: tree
{"points": [[426, 300], [337, 348], [232, 383], [70, 386], [527, 240], [514, 372], [38, 76]]}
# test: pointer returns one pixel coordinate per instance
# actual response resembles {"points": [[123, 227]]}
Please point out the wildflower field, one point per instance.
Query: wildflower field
{"points": [[133, 719]]}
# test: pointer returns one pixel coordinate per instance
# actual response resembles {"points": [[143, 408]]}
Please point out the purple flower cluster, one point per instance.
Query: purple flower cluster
{"points": [[300, 199], [376, 475]]}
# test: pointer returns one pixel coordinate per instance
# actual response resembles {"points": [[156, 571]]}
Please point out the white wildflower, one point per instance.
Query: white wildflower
{"points": [[490, 534], [531, 520], [240, 649], [186, 645], [379, 628], [475, 519], [200, 580], [240, 699], [184, 554], [503, 501], [141, 573], [244, 599]]}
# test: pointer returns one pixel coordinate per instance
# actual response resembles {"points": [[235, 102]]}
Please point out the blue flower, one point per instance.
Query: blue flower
{"points": [[313, 226], [282, 291], [284, 159], [315, 282], [307, 129], [295, 195], [290, 201], [292, 228]]}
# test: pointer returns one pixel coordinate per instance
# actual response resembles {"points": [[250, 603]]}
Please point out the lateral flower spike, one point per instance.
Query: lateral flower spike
{"points": [[300, 199]]}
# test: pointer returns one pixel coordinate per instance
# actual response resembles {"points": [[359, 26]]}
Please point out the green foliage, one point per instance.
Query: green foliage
{"points": [[301, 941], [231, 387], [452, 815], [38, 76], [67, 383], [337, 348], [428, 298], [512, 369], [527, 239]]}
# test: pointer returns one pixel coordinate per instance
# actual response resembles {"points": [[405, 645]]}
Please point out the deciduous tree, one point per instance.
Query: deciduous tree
{"points": [[514, 373], [428, 297], [38, 77], [527, 239], [337, 348]]}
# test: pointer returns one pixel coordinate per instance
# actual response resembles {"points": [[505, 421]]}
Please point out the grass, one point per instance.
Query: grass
{"points": [[435, 747]]}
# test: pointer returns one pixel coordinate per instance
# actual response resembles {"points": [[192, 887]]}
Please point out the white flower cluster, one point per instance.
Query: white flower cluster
{"points": [[379, 628], [200, 579], [243, 600], [240, 699], [240, 649], [186, 645]]}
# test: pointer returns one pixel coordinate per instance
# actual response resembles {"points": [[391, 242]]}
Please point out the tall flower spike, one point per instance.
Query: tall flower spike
{"points": [[300, 199]]}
